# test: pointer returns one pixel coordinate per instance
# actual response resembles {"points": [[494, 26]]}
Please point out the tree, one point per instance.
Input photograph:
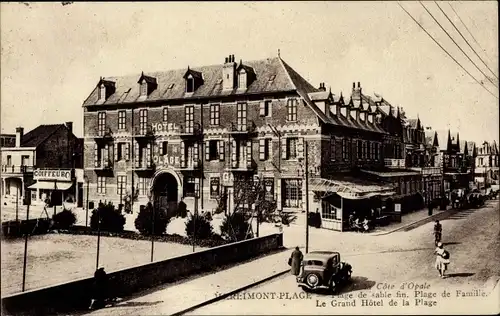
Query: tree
{"points": [[64, 219], [236, 227], [110, 218], [203, 226], [144, 221]]}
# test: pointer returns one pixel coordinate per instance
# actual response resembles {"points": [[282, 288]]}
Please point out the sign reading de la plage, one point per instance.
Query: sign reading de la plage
{"points": [[52, 174]]}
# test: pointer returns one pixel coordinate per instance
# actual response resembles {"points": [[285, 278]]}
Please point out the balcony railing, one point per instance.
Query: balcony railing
{"points": [[242, 165], [143, 164], [247, 128], [394, 163], [188, 165], [144, 132], [103, 164], [190, 130], [16, 169], [427, 170], [104, 134]]}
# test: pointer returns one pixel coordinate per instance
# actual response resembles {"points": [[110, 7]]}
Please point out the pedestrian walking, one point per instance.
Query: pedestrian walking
{"points": [[182, 209], [438, 230], [295, 260], [442, 259]]}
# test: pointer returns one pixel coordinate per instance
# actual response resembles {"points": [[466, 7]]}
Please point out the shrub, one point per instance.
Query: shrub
{"points": [[203, 227], [144, 223], [64, 219], [236, 227], [111, 219]]}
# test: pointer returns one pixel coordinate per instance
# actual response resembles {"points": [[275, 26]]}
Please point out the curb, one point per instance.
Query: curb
{"points": [[413, 223], [230, 293]]}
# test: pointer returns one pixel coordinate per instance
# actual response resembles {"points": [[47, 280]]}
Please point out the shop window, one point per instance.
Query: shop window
{"points": [[292, 193], [329, 212], [189, 187]]}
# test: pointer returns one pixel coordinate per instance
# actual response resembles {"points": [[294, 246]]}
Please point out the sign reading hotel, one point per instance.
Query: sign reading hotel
{"points": [[52, 175]]}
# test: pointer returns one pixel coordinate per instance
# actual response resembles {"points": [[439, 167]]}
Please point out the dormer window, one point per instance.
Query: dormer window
{"points": [[148, 85], [242, 79], [102, 92], [194, 80], [105, 89], [370, 118], [190, 84], [333, 109], [362, 116], [144, 88]]}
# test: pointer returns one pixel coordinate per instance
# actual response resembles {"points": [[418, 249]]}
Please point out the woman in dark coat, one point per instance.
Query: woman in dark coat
{"points": [[295, 260], [100, 289]]}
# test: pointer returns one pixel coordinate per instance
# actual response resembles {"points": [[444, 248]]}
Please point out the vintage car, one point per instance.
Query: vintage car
{"points": [[323, 270]]}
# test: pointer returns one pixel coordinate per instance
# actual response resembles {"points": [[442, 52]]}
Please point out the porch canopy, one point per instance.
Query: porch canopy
{"points": [[350, 188], [49, 185]]}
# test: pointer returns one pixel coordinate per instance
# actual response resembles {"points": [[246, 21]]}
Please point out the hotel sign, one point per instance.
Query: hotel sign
{"points": [[52, 174]]}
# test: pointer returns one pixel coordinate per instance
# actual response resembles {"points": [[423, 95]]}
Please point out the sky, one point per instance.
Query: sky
{"points": [[52, 55]]}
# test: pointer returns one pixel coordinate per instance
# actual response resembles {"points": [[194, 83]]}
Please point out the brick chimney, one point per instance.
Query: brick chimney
{"points": [[322, 86], [19, 136], [229, 73], [69, 125]]}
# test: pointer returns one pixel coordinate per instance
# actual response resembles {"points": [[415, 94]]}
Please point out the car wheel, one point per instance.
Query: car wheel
{"points": [[312, 280]]}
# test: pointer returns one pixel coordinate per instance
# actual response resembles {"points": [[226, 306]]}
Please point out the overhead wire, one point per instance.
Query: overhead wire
{"points": [[435, 41], [465, 39], [466, 55], [482, 49]]}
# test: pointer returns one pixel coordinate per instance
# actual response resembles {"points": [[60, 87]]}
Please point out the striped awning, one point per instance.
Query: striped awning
{"points": [[50, 185], [353, 189]]}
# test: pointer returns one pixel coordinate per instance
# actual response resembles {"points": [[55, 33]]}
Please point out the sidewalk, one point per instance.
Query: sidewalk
{"points": [[181, 297]]}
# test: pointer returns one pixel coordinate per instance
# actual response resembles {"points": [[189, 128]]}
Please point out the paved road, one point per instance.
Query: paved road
{"points": [[471, 236]]}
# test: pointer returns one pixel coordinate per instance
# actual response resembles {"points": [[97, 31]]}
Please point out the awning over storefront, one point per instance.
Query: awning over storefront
{"points": [[387, 174], [49, 185], [350, 188]]}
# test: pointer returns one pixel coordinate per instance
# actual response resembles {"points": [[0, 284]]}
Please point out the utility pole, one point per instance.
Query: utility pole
{"points": [[307, 193], [87, 205], [98, 237], [153, 227], [194, 217], [17, 204], [26, 245], [53, 194]]}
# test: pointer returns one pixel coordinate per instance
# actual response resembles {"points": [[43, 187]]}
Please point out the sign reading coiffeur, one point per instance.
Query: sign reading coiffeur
{"points": [[53, 175]]}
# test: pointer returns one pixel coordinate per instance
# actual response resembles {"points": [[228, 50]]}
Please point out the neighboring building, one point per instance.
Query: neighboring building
{"points": [[487, 165], [47, 152], [7, 140], [201, 132], [456, 165]]}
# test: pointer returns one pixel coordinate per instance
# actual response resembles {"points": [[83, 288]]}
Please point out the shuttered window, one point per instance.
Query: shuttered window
{"points": [[214, 114], [291, 109]]}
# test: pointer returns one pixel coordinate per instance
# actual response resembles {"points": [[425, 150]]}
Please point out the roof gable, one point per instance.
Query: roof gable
{"points": [[38, 135]]}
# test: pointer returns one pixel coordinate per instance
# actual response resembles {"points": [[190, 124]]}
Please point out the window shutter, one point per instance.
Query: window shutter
{"points": [[262, 149], [127, 155], [137, 156], [234, 158], [249, 153], [221, 150], [148, 155], [183, 155], [196, 154], [207, 150], [116, 151], [96, 155], [106, 155], [284, 151], [262, 108], [197, 187], [269, 147], [300, 148]]}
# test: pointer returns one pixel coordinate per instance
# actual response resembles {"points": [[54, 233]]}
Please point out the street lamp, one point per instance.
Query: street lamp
{"points": [[87, 204], [98, 237], [306, 174]]}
